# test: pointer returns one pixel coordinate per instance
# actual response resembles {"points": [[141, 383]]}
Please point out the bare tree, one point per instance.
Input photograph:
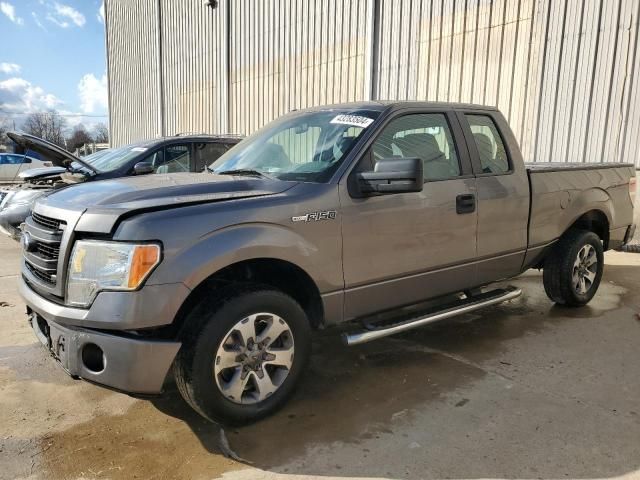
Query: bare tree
{"points": [[48, 125], [101, 133], [4, 128], [78, 138]]}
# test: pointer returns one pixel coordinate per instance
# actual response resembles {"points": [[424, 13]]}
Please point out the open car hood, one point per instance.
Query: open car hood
{"points": [[53, 153], [41, 173]]}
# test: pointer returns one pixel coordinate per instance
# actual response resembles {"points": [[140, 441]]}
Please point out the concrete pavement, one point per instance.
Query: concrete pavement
{"points": [[520, 390]]}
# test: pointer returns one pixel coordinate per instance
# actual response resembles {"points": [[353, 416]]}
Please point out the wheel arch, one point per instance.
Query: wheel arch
{"points": [[279, 274], [596, 221]]}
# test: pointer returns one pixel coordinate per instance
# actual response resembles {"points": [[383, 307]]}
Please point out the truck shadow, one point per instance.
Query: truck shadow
{"points": [[356, 404]]}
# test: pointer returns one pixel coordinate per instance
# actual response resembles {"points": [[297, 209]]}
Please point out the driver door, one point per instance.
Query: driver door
{"points": [[403, 248]]}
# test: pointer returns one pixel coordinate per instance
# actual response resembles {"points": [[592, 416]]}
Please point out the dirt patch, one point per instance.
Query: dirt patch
{"points": [[141, 443]]}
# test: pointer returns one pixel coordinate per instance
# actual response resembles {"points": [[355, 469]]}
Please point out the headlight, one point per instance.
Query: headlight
{"points": [[97, 266]]}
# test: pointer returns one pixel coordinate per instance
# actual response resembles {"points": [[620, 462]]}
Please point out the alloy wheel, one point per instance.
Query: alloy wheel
{"points": [[254, 358]]}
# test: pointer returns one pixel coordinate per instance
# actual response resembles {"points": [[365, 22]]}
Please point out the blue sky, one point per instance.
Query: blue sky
{"points": [[52, 55]]}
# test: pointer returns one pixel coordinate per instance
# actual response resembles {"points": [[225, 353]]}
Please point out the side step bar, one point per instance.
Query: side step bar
{"points": [[465, 305]]}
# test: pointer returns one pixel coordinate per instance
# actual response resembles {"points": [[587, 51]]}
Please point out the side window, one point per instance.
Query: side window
{"points": [[156, 159], [207, 153], [426, 136], [493, 155], [15, 159], [176, 158]]}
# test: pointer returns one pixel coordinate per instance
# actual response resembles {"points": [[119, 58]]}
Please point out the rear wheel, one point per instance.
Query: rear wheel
{"points": [[573, 269], [245, 360]]}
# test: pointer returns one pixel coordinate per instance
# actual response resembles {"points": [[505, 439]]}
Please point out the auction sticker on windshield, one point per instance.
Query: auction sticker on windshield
{"points": [[355, 120]]}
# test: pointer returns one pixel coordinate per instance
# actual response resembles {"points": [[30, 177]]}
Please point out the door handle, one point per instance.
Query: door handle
{"points": [[466, 203]]}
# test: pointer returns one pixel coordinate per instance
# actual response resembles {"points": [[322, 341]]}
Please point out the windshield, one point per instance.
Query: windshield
{"points": [[304, 146], [110, 159]]}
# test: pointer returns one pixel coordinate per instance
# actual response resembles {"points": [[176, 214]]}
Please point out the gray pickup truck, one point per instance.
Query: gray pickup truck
{"points": [[385, 215]]}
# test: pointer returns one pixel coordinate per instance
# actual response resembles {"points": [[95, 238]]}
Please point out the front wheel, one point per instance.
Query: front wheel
{"points": [[246, 358], [573, 269]]}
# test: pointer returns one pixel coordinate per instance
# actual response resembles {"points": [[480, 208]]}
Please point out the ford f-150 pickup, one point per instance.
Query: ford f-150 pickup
{"points": [[385, 215]]}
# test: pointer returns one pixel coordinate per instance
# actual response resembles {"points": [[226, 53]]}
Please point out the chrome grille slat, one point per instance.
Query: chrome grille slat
{"points": [[50, 223], [43, 276], [49, 252]]}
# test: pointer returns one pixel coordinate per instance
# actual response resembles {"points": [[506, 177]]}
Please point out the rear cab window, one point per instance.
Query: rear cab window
{"points": [[489, 143]]}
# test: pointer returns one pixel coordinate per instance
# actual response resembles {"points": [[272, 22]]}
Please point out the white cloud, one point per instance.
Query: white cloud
{"points": [[37, 20], [64, 16], [9, 68], [101, 13], [10, 11], [93, 93], [21, 96], [73, 119]]}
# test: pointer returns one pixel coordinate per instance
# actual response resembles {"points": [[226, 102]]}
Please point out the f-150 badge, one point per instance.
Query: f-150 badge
{"points": [[315, 216]]}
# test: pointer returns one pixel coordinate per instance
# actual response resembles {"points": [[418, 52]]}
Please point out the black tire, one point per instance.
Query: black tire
{"points": [[209, 323], [559, 268]]}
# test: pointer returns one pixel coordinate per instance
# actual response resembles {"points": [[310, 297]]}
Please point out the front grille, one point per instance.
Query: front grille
{"points": [[49, 223], [41, 259]]}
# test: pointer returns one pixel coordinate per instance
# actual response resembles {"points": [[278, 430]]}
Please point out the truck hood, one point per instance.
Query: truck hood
{"points": [[53, 153], [160, 191]]}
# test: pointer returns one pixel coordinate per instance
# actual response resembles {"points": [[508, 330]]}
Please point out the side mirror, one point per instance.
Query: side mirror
{"points": [[142, 168], [392, 175]]}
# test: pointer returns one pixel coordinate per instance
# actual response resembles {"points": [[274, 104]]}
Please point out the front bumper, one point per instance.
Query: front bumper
{"points": [[151, 306], [95, 344], [11, 218], [121, 362]]}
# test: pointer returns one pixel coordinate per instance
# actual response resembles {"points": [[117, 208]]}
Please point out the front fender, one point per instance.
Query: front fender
{"points": [[224, 247]]}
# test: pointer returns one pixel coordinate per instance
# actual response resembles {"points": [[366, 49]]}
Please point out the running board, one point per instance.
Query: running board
{"points": [[465, 305]]}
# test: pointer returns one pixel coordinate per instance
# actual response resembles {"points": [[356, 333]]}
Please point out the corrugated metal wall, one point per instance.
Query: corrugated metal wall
{"points": [[292, 54], [132, 62], [193, 67], [566, 73]]}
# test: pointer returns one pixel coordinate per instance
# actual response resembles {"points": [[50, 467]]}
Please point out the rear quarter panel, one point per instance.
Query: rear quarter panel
{"points": [[560, 196]]}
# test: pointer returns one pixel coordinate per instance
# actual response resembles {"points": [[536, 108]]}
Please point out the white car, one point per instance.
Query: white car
{"points": [[12, 164]]}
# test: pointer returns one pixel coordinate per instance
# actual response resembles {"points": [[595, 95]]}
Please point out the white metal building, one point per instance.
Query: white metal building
{"points": [[566, 73]]}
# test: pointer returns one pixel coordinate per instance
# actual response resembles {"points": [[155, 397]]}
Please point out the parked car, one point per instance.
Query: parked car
{"points": [[355, 213], [165, 155], [11, 165]]}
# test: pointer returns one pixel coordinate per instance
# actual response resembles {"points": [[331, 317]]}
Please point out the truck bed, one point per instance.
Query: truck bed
{"points": [[562, 192]]}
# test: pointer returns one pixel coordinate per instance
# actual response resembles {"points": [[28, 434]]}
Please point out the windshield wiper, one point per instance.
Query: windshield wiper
{"points": [[244, 171]]}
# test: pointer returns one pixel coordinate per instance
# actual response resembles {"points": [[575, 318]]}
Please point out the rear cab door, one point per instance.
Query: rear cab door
{"points": [[502, 192]]}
